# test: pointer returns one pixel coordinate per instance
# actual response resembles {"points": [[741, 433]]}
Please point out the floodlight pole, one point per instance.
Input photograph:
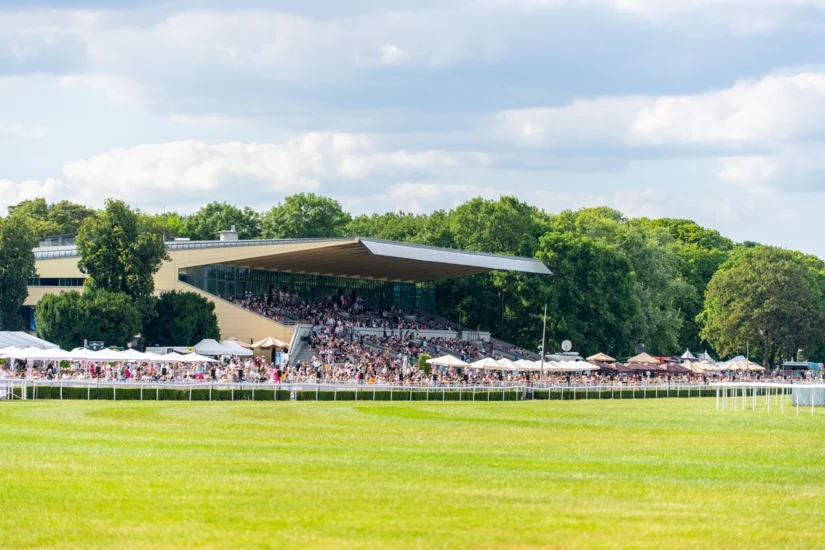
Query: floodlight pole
{"points": [[543, 333]]}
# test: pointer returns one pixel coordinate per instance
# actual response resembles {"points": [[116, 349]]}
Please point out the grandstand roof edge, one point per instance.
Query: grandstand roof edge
{"points": [[377, 247]]}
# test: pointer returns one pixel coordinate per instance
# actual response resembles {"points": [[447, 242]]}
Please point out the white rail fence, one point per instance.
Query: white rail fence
{"points": [[178, 391], [748, 395]]}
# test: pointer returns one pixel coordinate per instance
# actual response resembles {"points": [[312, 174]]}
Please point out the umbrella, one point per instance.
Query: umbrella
{"points": [[447, 361], [601, 358], [269, 343], [643, 359], [486, 363]]}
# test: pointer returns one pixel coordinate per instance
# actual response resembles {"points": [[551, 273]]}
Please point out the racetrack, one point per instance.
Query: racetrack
{"points": [[646, 474]]}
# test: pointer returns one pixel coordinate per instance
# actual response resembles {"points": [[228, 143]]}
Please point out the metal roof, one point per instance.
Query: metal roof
{"points": [[356, 257], [456, 257], [23, 340]]}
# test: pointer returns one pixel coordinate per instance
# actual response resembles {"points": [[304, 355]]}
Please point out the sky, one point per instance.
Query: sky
{"points": [[712, 110]]}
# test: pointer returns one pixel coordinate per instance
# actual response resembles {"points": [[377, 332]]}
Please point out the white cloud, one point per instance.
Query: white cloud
{"points": [[120, 91], [146, 173], [13, 192], [393, 55], [793, 168], [207, 121], [15, 129], [773, 109]]}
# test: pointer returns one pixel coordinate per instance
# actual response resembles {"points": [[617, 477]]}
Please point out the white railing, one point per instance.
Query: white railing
{"points": [[35, 389]]}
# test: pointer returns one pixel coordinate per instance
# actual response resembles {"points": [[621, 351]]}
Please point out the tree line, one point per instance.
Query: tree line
{"points": [[668, 283]]}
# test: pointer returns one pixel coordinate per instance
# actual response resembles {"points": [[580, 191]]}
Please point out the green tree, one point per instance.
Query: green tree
{"points": [[183, 318], [120, 253], [56, 219], [69, 318], [392, 226], [305, 215], [503, 226], [660, 287], [591, 295], [69, 216], [16, 268], [206, 223], [766, 297]]}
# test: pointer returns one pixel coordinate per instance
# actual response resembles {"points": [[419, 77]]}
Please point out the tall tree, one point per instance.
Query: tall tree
{"points": [[56, 219], [16, 268], [206, 223], [69, 318], [591, 295], [503, 226], [660, 287], [121, 254], [183, 318], [766, 297], [305, 215]]}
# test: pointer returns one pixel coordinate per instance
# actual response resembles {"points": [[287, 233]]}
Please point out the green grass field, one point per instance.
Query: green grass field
{"points": [[618, 474]]}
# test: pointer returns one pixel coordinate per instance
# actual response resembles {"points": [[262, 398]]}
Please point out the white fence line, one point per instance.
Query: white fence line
{"points": [[31, 389]]}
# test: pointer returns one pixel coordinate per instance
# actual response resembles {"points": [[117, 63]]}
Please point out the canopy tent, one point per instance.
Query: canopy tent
{"points": [[643, 359], [605, 367], [447, 361], [195, 358], [632, 368], [269, 343], [239, 342], [209, 346], [486, 363], [568, 366], [740, 365], [707, 366], [528, 366], [688, 356], [236, 349], [21, 340], [693, 367], [675, 368], [507, 364], [601, 358], [38, 354]]}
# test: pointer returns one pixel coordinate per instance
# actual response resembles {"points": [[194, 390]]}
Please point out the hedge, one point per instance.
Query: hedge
{"points": [[364, 393]]}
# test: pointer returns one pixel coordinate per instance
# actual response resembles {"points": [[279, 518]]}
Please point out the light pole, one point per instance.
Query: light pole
{"points": [[543, 338]]}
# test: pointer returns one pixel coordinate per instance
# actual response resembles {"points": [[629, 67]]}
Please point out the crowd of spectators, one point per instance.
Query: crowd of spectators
{"points": [[288, 306]]}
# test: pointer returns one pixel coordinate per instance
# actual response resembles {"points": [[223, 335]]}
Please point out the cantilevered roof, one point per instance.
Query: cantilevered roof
{"points": [[23, 340], [357, 257]]}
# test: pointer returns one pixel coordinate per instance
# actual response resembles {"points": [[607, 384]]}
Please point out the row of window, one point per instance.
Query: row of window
{"points": [[226, 280], [55, 281]]}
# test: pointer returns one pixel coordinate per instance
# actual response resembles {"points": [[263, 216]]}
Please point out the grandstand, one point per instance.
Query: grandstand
{"points": [[280, 288]]}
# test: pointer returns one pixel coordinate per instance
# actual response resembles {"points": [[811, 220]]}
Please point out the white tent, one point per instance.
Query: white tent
{"points": [[195, 358], [486, 363], [211, 347], [236, 349], [688, 356], [528, 366], [507, 364], [38, 354], [447, 361]]}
